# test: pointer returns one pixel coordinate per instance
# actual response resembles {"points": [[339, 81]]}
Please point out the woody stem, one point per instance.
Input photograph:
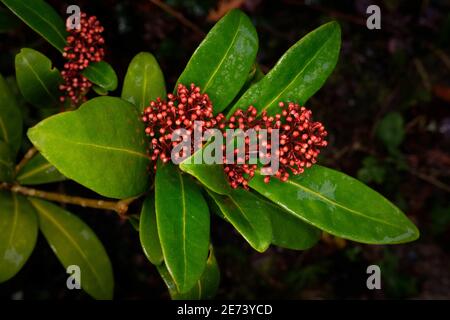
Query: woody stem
{"points": [[121, 207], [27, 157]]}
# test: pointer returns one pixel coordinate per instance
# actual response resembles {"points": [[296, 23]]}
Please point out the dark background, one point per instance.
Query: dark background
{"points": [[386, 107]]}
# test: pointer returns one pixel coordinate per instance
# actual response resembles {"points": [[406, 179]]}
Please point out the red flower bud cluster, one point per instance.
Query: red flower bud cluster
{"points": [[84, 46], [300, 138], [163, 118], [300, 141]]}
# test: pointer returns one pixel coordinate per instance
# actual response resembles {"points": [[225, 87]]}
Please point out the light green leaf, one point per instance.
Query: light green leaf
{"points": [[206, 286], [299, 73], [221, 63], [42, 18], [210, 175], [144, 81], [39, 171], [18, 233], [10, 118], [105, 150], [183, 225], [38, 81], [148, 232], [101, 74], [249, 216], [339, 205], [6, 163], [74, 243]]}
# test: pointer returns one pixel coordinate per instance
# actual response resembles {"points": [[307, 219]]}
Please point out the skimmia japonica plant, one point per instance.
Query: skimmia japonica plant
{"points": [[125, 148]]}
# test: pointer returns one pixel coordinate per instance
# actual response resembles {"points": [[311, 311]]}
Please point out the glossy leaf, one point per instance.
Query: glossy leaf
{"points": [[339, 205], [248, 214], [205, 288], [210, 175], [299, 73], [10, 118], [39, 171], [105, 149], [221, 63], [18, 233], [42, 18], [289, 231], [102, 74], [38, 81], [144, 81], [183, 225], [148, 232], [74, 243], [6, 163]]}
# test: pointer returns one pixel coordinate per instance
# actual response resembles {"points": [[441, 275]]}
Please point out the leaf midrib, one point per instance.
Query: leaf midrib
{"points": [[5, 132], [25, 59], [245, 217], [64, 232], [30, 10], [144, 86], [98, 146], [34, 171], [224, 56], [183, 202], [298, 74]]}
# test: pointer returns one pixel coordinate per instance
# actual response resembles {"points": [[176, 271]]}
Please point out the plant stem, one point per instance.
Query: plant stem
{"points": [[179, 16], [27, 157], [121, 207]]}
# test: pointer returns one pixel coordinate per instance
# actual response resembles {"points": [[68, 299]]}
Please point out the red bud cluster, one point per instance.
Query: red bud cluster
{"points": [[299, 144], [179, 111], [84, 46], [300, 138]]}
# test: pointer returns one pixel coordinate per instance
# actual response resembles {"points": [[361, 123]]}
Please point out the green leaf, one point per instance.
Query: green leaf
{"points": [[10, 118], [105, 149], [248, 215], [144, 81], [42, 18], [183, 225], [205, 288], [6, 163], [339, 205], [210, 175], [39, 171], [18, 233], [148, 232], [391, 130], [38, 81], [221, 63], [101, 74], [288, 231], [299, 73], [74, 243]]}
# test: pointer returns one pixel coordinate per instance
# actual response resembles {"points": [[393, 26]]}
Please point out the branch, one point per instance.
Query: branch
{"points": [[121, 207], [179, 16], [27, 157]]}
